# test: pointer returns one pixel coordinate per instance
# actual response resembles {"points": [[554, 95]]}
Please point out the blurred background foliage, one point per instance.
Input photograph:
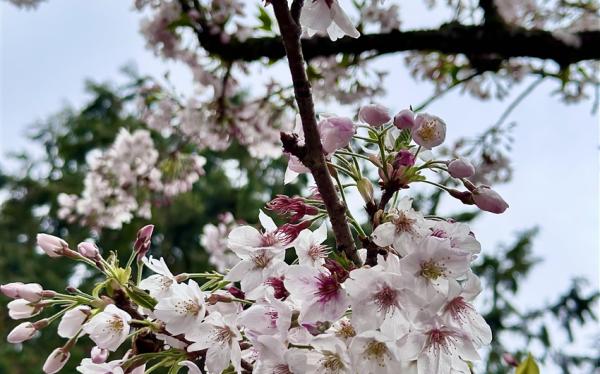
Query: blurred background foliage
{"points": [[31, 181]]}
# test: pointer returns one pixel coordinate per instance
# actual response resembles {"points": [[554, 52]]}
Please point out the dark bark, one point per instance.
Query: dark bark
{"points": [[311, 153], [453, 38]]}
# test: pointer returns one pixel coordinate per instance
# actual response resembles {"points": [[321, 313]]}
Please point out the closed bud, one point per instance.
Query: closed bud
{"points": [[11, 289], [89, 250], [510, 359], [56, 361], [98, 355], [404, 158], [489, 200], [143, 239], [336, 133], [236, 292], [374, 114], [429, 131], [53, 246], [21, 333], [365, 188], [21, 309], [461, 168], [31, 292], [405, 119]]}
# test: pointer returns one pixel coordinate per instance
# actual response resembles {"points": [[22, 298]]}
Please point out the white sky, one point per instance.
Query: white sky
{"points": [[47, 54]]}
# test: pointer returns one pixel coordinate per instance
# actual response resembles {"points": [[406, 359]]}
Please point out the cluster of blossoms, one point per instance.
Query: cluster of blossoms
{"points": [[123, 178], [403, 305]]}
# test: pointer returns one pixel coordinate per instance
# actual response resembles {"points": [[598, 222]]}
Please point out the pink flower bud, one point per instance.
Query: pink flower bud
{"points": [[489, 200], [461, 168], [31, 292], [429, 131], [295, 207], [21, 333], [21, 309], [52, 245], [374, 114], [336, 133], [56, 361], [143, 239], [510, 359], [236, 292], [99, 355], [11, 289], [289, 232], [88, 250], [404, 158], [405, 119]]}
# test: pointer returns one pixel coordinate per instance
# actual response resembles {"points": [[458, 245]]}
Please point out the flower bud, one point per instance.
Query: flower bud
{"points": [[21, 333], [289, 232], [404, 158], [461, 168], [52, 245], [142, 241], [31, 292], [429, 131], [236, 292], [336, 133], [21, 309], [374, 114], [510, 359], [89, 250], [489, 200], [11, 289], [295, 207], [56, 361], [405, 119], [365, 188], [98, 355]]}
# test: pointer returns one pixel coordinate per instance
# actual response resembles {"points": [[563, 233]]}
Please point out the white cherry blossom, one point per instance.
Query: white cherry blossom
{"points": [[183, 308], [109, 328]]}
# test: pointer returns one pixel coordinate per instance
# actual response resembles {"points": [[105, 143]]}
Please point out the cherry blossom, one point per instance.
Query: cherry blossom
{"points": [[109, 328], [184, 307], [327, 16], [221, 338]]}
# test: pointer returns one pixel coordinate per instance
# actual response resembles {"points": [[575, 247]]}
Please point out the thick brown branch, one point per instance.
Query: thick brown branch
{"points": [[453, 38], [311, 154]]}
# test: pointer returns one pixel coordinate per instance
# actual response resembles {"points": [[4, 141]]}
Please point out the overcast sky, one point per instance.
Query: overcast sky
{"points": [[47, 54]]}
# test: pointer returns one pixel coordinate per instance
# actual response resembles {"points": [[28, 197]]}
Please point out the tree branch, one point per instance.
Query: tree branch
{"points": [[451, 38], [311, 154]]}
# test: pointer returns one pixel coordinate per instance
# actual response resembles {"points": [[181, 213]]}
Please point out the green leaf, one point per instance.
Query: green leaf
{"points": [[528, 366], [266, 23], [141, 297]]}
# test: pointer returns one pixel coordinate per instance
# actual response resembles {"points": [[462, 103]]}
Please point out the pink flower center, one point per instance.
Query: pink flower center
{"points": [[269, 239], [403, 223], [458, 309], [317, 251], [386, 299], [328, 288], [261, 259], [439, 233], [440, 339]]}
